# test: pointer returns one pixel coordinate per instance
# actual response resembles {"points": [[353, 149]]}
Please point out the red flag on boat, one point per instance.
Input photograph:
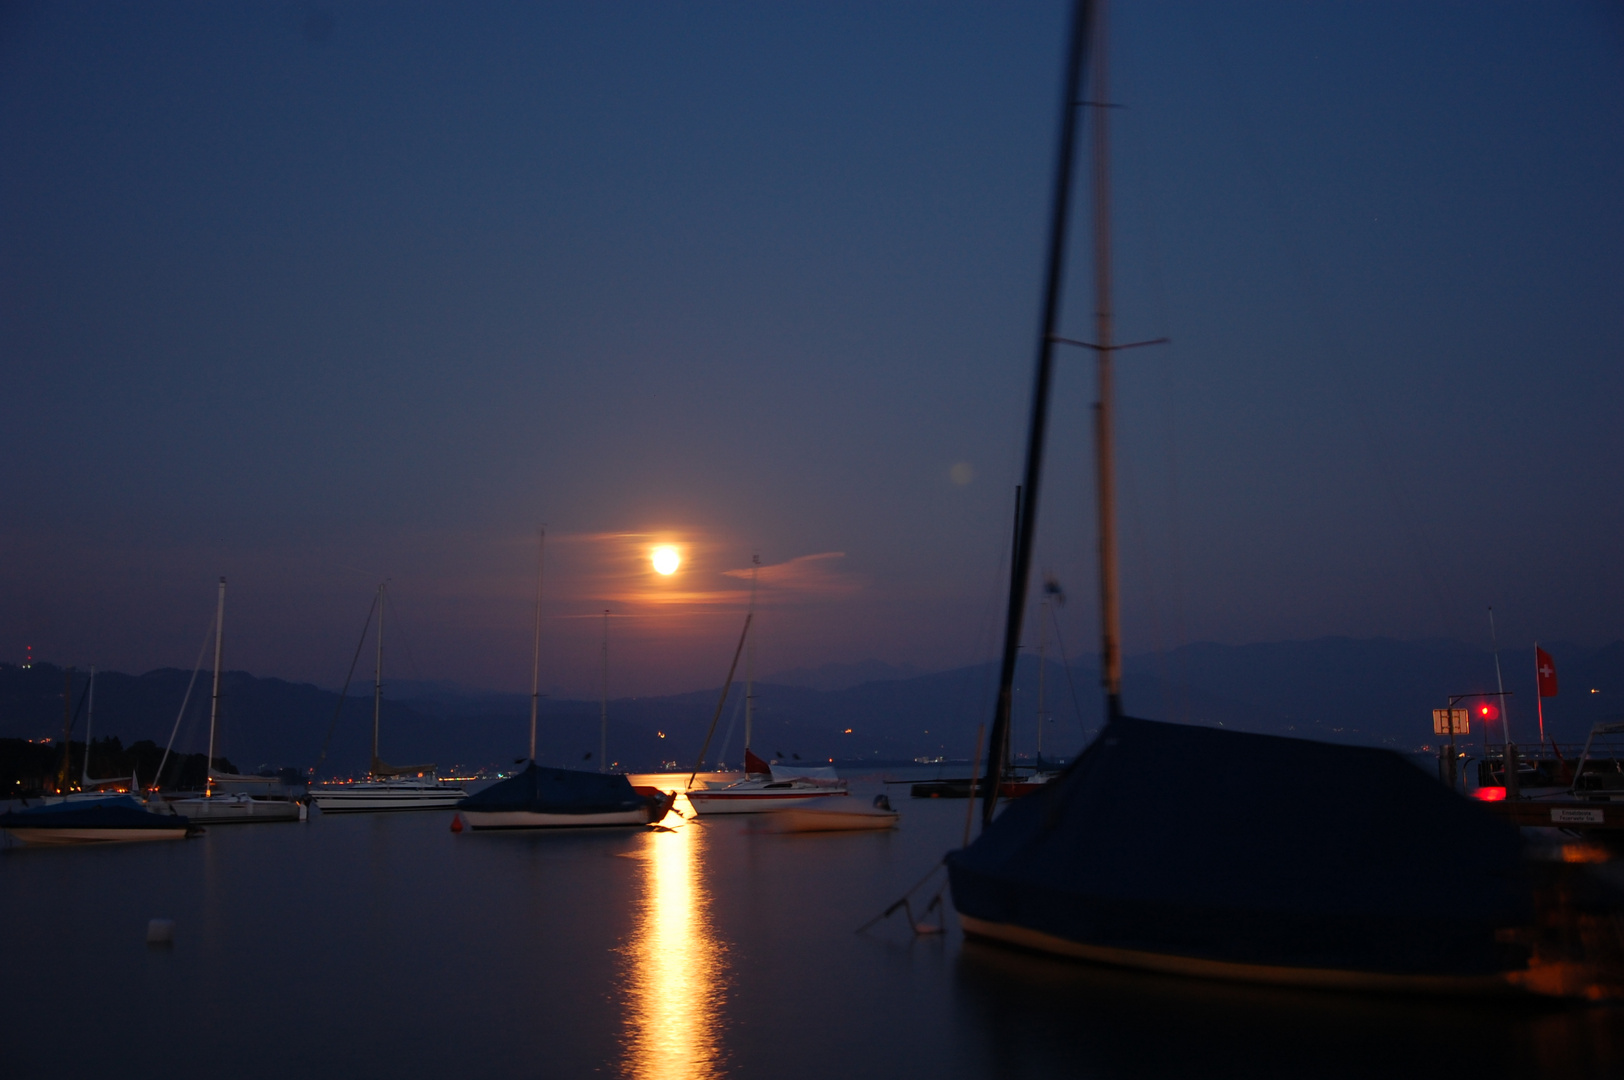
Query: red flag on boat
{"points": [[1546, 669]]}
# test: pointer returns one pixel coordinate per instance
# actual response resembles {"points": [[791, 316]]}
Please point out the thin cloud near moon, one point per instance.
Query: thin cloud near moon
{"points": [[806, 574]]}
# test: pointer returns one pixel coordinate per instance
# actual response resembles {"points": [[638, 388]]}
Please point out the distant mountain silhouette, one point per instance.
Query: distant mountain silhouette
{"points": [[844, 676], [1375, 691]]}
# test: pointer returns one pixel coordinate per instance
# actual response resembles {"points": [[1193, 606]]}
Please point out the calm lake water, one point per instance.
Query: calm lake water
{"points": [[384, 945]]}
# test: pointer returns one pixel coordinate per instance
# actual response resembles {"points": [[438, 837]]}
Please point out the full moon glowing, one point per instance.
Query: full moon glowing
{"points": [[666, 560]]}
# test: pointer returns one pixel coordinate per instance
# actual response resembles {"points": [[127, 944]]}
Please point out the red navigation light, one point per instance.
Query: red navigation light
{"points": [[1491, 794], [1489, 711]]}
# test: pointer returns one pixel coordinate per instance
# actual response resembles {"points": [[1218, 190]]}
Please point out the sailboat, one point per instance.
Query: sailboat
{"points": [[387, 787], [91, 816], [236, 800], [766, 786], [1251, 857], [542, 798]]}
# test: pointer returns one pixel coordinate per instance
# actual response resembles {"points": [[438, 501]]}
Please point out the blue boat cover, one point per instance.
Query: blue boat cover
{"points": [[557, 791], [1253, 849], [117, 812]]}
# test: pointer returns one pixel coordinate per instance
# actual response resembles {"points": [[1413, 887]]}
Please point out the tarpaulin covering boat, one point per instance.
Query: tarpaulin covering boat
{"points": [[540, 797], [117, 818], [1214, 852]]}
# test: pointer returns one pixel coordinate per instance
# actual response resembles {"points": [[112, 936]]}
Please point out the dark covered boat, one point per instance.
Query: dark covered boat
{"points": [[1226, 855], [543, 798], [1266, 859], [91, 821]]}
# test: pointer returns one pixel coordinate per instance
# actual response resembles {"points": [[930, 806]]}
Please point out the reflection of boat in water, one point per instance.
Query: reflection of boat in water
{"points": [[769, 787], [826, 817], [387, 787], [117, 818], [1251, 857]]}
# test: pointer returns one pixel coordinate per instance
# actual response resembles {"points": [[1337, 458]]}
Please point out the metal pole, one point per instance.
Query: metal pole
{"points": [[90, 727], [1020, 570], [214, 698], [1043, 652], [1509, 753], [1539, 701], [377, 681], [750, 660], [535, 660], [603, 716], [67, 732], [1110, 616]]}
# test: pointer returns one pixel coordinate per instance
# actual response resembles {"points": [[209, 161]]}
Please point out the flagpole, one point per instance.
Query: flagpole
{"points": [[1539, 697], [1508, 758]]}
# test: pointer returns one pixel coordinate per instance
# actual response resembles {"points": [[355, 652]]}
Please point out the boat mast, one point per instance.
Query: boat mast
{"points": [[377, 681], [1110, 615], [1043, 652], [750, 661], [1020, 569], [1508, 759], [535, 660], [214, 698], [67, 731], [603, 714], [90, 727]]}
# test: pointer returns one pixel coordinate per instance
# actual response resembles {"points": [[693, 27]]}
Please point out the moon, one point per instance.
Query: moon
{"points": [[666, 560]]}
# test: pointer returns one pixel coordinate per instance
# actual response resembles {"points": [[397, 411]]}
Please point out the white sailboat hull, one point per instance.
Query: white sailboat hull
{"points": [[235, 809], [375, 797]]}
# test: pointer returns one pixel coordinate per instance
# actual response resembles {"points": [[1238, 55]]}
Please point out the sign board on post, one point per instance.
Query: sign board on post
{"points": [[1445, 719]]}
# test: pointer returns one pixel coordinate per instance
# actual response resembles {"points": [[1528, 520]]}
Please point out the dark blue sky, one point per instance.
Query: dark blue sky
{"points": [[310, 296]]}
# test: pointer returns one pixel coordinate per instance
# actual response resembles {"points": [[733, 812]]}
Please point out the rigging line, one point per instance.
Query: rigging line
{"points": [[359, 645], [405, 642], [1429, 568], [1136, 525], [1161, 314], [726, 686], [202, 651], [1065, 665], [733, 721]]}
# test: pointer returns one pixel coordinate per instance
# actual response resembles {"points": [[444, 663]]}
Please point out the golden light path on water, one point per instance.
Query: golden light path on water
{"points": [[674, 977]]}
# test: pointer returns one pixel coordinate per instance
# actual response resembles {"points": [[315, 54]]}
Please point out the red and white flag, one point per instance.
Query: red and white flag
{"points": [[1546, 670]]}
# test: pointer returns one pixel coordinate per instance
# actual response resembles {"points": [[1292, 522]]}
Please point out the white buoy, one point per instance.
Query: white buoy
{"points": [[160, 931]]}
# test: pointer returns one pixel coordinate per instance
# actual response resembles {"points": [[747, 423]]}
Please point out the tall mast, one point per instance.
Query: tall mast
{"points": [[90, 725], [67, 731], [214, 698], [750, 660], [1508, 759], [603, 714], [1043, 652], [1048, 329], [535, 661], [1110, 615], [377, 681]]}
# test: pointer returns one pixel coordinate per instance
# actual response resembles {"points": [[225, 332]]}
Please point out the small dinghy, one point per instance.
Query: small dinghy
{"points": [[543, 798], [111, 820], [797, 819]]}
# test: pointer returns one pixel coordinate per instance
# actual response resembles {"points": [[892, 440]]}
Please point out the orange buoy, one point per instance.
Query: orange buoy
{"points": [[456, 823]]}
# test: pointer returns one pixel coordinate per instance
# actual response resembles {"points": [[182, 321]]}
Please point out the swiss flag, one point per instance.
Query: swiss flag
{"points": [[1546, 670]]}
